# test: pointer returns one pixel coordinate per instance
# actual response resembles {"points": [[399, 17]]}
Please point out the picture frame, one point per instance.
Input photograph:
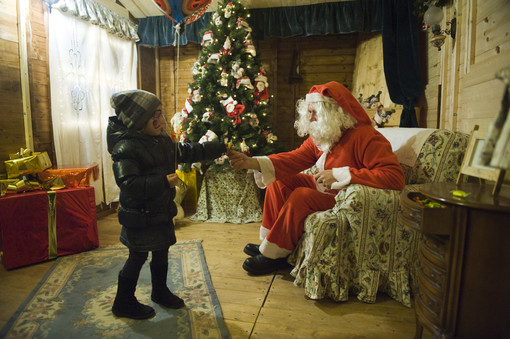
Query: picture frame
{"points": [[471, 166]]}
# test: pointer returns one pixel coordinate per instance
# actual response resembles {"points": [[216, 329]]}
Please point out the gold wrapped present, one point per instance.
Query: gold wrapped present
{"points": [[23, 153], [189, 203], [18, 186], [27, 162], [7, 185]]}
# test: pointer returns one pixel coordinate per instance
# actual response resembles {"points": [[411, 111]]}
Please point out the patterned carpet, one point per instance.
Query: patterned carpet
{"points": [[75, 297]]}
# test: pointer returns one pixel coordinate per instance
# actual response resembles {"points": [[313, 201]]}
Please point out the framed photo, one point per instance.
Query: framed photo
{"points": [[471, 166]]}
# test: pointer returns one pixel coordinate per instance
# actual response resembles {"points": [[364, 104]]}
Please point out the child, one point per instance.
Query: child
{"points": [[144, 162]]}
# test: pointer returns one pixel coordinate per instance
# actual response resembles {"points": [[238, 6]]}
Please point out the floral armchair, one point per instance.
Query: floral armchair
{"points": [[359, 246]]}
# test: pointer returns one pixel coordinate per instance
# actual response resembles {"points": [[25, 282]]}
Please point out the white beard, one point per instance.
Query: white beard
{"points": [[332, 121], [323, 138]]}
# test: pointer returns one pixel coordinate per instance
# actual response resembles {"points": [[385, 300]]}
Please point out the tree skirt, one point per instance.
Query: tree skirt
{"points": [[75, 298], [228, 195]]}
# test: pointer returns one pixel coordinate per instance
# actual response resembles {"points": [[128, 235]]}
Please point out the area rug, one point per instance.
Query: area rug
{"points": [[75, 297]]}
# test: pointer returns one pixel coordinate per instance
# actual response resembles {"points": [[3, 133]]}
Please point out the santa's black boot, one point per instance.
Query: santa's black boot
{"points": [[126, 305], [160, 292]]}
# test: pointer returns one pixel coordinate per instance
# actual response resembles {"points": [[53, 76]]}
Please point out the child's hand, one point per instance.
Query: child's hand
{"points": [[173, 179]]}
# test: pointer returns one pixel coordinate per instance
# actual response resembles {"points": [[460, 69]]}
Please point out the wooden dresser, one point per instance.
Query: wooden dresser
{"points": [[463, 278]]}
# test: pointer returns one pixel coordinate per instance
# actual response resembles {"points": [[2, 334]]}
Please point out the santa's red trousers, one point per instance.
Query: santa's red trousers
{"points": [[287, 203]]}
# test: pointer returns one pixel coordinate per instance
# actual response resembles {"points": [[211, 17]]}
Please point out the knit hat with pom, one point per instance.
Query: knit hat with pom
{"points": [[134, 107]]}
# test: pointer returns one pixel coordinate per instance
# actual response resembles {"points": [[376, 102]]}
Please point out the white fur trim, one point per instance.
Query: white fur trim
{"points": [[272, 251], [266, 174], [320, 167], [317, 97], [263, 232], [343, 177]]}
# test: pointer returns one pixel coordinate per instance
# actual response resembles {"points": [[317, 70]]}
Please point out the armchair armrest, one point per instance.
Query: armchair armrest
{"points": [[358, 246]]}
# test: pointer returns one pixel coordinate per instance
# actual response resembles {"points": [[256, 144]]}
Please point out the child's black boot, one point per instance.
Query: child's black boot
{"points": [[126, 305], [160, 292]]}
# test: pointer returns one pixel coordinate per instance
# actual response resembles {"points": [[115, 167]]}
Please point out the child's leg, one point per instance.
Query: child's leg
{"points": [[125, 304], [160, 292], [134, 264]]}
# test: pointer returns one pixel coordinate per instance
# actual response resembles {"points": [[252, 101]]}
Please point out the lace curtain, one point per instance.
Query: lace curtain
{"points": [[87, 65], [96, 14]]}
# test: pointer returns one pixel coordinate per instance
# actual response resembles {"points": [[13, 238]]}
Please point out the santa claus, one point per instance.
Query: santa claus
{"points": [[345, 148]]}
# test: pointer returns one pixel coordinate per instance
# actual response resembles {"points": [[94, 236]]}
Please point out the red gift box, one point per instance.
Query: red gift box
{"points": [[37, 226]]}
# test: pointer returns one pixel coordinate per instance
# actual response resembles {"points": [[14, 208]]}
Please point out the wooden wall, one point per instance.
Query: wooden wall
{"points": [[12, 130], [461, 83], [13, 134], [39, 78]]}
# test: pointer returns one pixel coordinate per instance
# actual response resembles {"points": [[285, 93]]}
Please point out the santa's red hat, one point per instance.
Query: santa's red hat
{"points": [[335, 92]]}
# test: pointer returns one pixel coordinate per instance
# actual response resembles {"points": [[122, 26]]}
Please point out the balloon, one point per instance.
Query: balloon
{"points": [[182, 11]]}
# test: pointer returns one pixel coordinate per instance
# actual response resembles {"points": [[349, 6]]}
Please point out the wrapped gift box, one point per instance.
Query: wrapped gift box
{"points": [[191, 179], [37, 226], [72, 176], [27, 163]]}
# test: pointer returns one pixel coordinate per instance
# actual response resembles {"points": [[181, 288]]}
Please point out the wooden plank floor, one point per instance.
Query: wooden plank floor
{"points": [[253, 307]]}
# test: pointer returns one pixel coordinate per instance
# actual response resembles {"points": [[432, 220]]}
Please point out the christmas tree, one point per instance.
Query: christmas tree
{"points": [[229, 98]]}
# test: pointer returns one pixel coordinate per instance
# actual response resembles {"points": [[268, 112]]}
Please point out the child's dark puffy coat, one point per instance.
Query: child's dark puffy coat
{"points": [[140, 165]]}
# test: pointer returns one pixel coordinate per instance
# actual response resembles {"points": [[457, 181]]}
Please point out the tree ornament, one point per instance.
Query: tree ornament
{"points": [[261, 86], [217, 19], [243, 24], [196, 96], [188, 105], [228, 10], [244, 148], [254, 120], [196, 69], [233, 109], [245, 81], [222, 95], [206, 117], [270, 137], [250, 48], [227, 47], [224, 78], [208, 38], [214, 58], [208, 136], [237, 70]]}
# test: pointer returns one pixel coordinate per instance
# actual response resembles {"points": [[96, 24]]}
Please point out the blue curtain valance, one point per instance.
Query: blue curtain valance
{"points": [[320, 19]]}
